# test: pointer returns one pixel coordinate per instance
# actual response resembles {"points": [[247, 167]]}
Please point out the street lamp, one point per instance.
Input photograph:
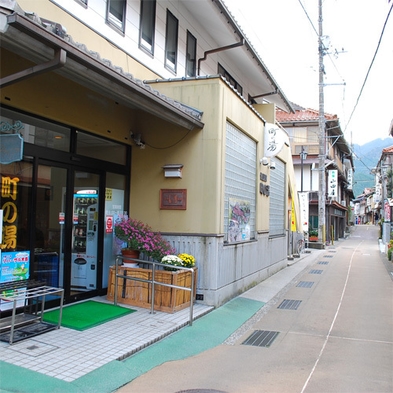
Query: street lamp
{"points": [[303, 156]]}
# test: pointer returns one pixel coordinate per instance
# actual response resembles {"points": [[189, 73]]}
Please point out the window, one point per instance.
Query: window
{"points": [[147, 25], [172, 25], [228, 77], [240, 186], [277, 199], [191, 55], [116, 11]]}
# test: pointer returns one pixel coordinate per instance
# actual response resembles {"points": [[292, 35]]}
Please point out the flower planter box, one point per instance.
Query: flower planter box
{"points": [[136, 293], [313, 238]]}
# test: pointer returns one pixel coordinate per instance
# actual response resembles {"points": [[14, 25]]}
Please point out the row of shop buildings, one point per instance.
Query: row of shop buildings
{"points": [[164, 111]]}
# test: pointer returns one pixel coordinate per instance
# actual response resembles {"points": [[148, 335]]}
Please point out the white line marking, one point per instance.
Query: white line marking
{"points": [[333, 322]]}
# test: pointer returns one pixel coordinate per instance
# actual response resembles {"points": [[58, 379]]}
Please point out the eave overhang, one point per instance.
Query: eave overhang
{"points": [[226, 31], [20, 34]]}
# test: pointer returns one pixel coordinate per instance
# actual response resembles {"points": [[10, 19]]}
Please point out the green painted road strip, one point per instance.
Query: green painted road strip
{"points": [[205, 333]]}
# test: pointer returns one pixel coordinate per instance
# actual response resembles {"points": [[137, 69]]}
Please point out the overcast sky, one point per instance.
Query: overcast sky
{"points": [[286, 38]]}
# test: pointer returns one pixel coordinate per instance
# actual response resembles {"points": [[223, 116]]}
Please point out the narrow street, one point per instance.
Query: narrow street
{"points": [[332, 331]]}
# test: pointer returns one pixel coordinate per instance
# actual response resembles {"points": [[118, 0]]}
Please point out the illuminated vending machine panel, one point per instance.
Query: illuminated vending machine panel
{"points": [[84, 240]]}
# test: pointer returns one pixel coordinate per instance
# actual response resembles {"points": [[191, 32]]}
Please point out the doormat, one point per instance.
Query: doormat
{"points": [[86, 315]]}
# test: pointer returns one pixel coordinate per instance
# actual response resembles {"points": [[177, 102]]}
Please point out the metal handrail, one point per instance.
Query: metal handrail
{"points": [[153, 282]]}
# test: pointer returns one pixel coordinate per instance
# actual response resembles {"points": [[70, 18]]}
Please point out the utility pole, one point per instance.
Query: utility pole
{"points": [[321, 136]]}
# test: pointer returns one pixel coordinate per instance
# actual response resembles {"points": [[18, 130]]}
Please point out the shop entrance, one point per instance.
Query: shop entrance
{"points": [[66, 227], [57, 202]]}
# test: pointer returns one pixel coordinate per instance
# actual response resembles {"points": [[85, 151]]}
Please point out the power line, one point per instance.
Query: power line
{"points": [[369, 69]]}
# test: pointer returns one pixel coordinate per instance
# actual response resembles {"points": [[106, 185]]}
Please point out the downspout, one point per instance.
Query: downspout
{"points": [[58, 61], [209, 52]]}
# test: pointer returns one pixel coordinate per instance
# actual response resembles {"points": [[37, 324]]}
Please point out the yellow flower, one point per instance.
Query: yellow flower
{"points": [[188, 260]]}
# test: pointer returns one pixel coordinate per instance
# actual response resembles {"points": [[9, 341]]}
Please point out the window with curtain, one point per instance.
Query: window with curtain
{"points": [[116, 11], [191, 55], [147, 25], [172, 26], [240, 186]]}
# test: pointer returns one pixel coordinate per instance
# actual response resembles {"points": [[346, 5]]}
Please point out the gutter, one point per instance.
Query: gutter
{"points": [[91, 71]]}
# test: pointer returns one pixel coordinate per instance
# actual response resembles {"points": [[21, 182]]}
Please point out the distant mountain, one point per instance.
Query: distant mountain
{"points": [[365, 158]]}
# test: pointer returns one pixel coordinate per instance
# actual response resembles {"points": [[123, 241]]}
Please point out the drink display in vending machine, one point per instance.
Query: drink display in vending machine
{"points": [[84, 240]]}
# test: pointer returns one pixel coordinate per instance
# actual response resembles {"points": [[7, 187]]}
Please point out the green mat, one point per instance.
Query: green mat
{"points": [[86, 315]]}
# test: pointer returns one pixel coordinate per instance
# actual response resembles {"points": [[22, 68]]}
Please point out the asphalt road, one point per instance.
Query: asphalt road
{"points": [[334, 333]]}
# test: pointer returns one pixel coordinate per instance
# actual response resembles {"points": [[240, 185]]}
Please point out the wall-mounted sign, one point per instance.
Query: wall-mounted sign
{"points": [[173, 199]]}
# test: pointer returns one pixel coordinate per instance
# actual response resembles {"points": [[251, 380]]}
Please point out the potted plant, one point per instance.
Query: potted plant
{"points": [[185, 260], [139, 237], [313, 235]]}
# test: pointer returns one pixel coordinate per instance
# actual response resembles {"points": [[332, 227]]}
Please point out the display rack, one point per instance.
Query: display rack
{"points": [[27, 324]]}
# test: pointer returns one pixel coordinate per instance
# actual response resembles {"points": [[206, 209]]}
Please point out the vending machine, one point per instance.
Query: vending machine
{"points": [[84, 240]]}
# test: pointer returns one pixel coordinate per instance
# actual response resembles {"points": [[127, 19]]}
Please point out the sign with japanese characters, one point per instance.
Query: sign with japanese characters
{"points": [[274, 140], [350, 178], [332, 183], [304, 208], [9, 195]]}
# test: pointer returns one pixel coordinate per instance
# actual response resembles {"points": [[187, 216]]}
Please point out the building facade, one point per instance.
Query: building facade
{"points": [[303, 129], [106, 96]]}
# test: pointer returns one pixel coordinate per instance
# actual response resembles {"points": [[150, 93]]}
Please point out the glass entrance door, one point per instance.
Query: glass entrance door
{"points": [[46, 223], [65, 225]]}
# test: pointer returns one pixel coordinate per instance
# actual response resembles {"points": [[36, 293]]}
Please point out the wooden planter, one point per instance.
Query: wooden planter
{"points": [[136, 293]]}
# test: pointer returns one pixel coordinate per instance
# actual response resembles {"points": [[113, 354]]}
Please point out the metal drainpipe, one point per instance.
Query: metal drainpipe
{"points": [[208, 52], [58, 61]]}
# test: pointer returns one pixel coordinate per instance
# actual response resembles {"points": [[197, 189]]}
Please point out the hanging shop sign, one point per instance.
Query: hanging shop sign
{"points": [[275, 138], [332, 183], [11, 142]]}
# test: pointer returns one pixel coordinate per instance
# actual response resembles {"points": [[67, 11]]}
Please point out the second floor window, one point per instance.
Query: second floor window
{"points": [[172, 25], [147, 25], [116, 12], [191, 55]]}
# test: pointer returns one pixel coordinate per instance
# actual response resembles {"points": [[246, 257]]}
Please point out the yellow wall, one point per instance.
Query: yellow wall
{"points": [[202, 153], [81, 33]]}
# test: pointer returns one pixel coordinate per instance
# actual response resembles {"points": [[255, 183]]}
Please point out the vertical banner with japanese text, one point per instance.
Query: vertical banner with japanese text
{"points": [[332, 183], [304, 209]]}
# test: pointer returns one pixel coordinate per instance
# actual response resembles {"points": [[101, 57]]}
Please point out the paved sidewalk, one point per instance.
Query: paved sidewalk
{"points": [[65, 360], [329, 329]]}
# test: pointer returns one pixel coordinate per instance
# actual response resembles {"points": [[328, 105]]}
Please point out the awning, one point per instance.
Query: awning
{"points": [[35, 42]]}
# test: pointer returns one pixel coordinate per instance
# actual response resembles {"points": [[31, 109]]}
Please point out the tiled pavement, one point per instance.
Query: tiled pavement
{"points": [[69, 354]]}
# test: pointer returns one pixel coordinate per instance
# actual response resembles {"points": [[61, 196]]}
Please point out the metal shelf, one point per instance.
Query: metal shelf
{"points": [[12, 325]]}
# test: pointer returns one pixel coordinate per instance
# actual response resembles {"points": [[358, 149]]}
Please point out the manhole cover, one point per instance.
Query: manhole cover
{"points": [[288, 304], [261, 338], [305, 284]]}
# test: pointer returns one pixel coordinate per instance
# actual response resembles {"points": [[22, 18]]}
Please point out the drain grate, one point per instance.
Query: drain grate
{"points": [[288, 304], [261, 338], [323, 262], [316, 271], [27, 331], [305, 284], [328, 256]]}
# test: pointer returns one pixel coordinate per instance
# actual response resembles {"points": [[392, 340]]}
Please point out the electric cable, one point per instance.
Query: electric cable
{"points": [[369, 68]]}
